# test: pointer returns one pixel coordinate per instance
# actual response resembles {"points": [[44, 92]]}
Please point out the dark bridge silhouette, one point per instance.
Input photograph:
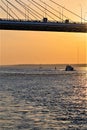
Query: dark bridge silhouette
{"points": [[42, 26], [21, 16]]}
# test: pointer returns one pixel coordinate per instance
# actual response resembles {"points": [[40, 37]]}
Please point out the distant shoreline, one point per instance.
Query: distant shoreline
{"points": [[79, 65]]}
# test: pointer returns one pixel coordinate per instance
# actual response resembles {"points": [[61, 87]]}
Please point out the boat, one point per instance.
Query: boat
{"points": [[69, 68]]}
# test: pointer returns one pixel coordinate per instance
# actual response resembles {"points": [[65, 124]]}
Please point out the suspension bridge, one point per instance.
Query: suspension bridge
{"points": [[39, 16]]}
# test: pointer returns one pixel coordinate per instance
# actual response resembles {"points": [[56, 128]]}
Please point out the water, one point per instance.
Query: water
{"points": [[36, 97]]}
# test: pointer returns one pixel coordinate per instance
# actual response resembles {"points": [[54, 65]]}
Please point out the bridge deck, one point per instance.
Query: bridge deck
{"points": [[42, 26]]}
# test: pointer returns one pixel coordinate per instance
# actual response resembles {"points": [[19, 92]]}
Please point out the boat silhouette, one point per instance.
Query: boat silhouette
{"points": [[69, 68]]}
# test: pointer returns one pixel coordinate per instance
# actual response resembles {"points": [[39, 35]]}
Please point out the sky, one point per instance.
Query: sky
{"points": [[35, 47]]}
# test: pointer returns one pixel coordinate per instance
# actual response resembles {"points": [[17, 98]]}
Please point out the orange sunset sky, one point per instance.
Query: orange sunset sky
{"points": [[30, 47]]}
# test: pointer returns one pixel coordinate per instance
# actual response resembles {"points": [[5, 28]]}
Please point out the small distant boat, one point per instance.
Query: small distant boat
{"points": [[55, 68], [69, 68]]}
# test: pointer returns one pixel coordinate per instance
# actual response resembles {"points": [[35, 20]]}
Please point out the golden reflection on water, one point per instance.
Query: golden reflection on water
{"points": [[84, 84], [64, 105]]}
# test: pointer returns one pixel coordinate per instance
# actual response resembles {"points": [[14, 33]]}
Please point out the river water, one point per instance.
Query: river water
{"points": [[42, 97]]}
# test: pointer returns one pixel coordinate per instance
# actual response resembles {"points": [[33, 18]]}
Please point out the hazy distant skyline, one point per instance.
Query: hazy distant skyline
{"points": [[29, 47]]}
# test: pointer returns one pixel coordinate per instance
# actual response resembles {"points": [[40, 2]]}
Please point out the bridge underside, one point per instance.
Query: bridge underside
{"points": [[42, 26]]}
